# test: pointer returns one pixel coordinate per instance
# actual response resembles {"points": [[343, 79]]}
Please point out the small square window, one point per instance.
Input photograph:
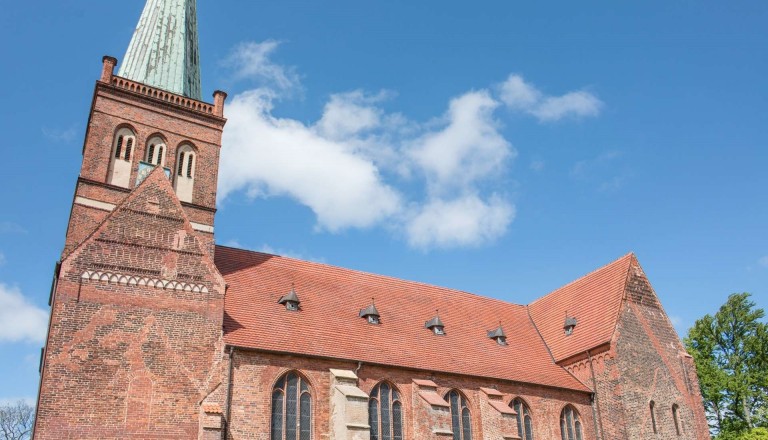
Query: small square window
{"points": [[373, 319], [292, 306], [438, 330]]}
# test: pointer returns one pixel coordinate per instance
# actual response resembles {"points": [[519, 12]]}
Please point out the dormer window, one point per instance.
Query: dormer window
{"points": [[436, 325], [291, 301], [570, 324], [498, 335], [371, 314]]}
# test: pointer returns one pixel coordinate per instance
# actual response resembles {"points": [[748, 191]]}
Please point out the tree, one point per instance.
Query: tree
{"points": [[731, 354], [16, 420]]}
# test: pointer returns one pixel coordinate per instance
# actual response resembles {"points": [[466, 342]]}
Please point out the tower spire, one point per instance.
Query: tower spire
{"points": [[164, 50]]}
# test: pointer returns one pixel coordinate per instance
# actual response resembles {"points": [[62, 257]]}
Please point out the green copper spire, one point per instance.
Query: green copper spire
{"points": [[163, 51]]}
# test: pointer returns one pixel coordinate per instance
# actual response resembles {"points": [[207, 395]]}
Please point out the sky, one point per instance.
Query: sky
{"points": [[501, 148]]}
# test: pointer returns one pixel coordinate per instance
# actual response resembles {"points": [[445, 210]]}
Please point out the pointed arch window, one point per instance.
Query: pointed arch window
{"points": [[291, 408], [156, 151], [570, 424], [461, 418], [185, 172], [122, 157], [385, 413], [676, 418], [524, 421]]}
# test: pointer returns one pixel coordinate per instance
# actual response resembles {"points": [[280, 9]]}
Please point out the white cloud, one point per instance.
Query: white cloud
{"points": [[763, 261], [469, 148], [360, 166], [60, 135], [464, 221], [19, 319], [267, 155], [520, 95], [251, 61], [11, 228], [537, 165]]}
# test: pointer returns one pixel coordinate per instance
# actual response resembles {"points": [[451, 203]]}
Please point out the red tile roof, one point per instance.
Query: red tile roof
{"points": [[328, 324], [594, 300]]}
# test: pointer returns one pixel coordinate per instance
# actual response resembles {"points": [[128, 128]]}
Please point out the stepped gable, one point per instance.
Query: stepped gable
{"points": [[328, 323], [148, 238], [594, 300]]}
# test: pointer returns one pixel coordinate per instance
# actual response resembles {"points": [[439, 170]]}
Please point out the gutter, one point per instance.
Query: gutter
{"points": [[596, 402], [229, 391]]}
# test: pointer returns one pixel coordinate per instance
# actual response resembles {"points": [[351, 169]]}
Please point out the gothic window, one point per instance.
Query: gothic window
{"points": [[291, 409], [385, 413], [653, 416], [461, 420], [675, 417], [570, 424], [156, 151], [120, 165], [185, 172], [524, 421]]}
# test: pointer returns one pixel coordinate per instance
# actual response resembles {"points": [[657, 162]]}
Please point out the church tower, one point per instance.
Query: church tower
{"points": [[134, 344], [150, 115]]}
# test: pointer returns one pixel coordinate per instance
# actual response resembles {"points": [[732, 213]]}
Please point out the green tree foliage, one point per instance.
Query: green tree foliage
{"points": [[731, 354]]}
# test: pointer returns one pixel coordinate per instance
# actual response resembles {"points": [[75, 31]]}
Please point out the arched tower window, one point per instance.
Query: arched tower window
{"points": [[385, 413], [156, 150], [524, 421], [291, 408], [461, 419], [676, 418], [570, 424], [186, 162], [122, 157], [652, 407]]}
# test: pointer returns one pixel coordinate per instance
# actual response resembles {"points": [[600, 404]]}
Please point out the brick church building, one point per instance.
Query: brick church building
{"points": [[156, 332]]}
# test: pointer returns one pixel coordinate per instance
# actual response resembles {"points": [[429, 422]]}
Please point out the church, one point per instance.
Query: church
{"points": [[157, 332]]}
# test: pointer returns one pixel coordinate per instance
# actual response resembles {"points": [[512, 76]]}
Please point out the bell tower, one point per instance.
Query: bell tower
{"points": [[134, 345], [151, 115]]}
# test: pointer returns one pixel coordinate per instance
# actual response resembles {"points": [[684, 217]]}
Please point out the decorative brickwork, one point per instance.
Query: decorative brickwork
{"points": [[132, 356]]}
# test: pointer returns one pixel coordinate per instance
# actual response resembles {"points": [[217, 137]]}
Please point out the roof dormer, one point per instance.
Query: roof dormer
{"points": [[570, 324], [371, 314], [291, 301], [498, 335], [436, 325]]}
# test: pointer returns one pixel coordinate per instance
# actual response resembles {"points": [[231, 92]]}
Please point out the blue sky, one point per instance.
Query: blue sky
{"points": [[503, 148]]}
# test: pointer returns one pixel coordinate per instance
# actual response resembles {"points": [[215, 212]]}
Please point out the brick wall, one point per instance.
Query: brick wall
{"points": [[116, 107], [254, 374], [135, 341], [645, 362]]}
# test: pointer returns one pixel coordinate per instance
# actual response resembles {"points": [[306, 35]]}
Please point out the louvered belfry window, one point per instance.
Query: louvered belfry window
{"points": [[385, 413], [570, 424], [461, 420], [524, 421], [291, 409]]}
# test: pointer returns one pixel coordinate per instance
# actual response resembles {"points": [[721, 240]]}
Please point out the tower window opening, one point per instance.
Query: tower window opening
{"points": [[120, 167], [180, 168], [128, 148], [189, 165], [151, 154], [119, 148]]}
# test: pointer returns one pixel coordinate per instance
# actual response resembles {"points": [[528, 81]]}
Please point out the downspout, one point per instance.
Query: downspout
{"points": [[596, 401], [229, 392]]}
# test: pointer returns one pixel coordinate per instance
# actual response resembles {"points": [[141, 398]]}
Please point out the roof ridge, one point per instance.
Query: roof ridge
{"points": [[601, 268], [377, 275]]}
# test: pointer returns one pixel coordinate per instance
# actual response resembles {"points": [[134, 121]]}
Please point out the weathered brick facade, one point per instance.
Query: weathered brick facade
{"points": [[156, 333], [645, 362]]}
